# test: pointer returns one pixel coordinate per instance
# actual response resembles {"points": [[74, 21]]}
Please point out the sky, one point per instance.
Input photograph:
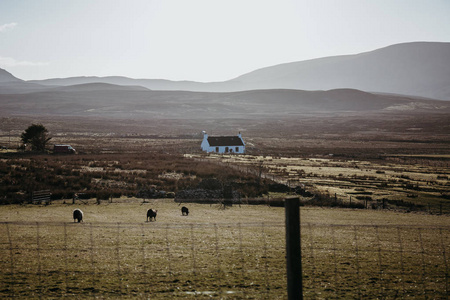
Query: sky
{"points": [[201, 40]]}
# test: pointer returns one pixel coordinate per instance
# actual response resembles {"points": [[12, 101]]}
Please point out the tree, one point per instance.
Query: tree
{"points": [[36, 136]]}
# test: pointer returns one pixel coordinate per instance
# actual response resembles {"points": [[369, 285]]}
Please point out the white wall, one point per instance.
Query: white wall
{"points": [[234, 149], [239, 150]]}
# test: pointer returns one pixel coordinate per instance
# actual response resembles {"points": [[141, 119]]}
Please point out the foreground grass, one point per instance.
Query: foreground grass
{"points": [[233, 253]]}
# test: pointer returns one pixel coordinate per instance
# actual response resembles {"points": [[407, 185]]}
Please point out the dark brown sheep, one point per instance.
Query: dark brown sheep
{"points": [[151, 213], [184, 211], [77, 215]]}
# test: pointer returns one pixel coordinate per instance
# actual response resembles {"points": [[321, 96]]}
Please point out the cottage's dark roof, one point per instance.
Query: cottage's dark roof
{"points": [[217, 141]]}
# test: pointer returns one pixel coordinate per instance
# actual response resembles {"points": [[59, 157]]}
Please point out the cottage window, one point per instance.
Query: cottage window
{"points": [[217, 149], [237, 149]]}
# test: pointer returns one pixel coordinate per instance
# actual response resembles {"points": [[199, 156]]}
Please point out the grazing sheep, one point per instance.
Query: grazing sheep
{"points": [[184, 211], [77, 215], [151, 213]]}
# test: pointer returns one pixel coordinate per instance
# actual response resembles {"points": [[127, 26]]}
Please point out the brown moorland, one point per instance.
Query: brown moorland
{"points": [[349, 253]]}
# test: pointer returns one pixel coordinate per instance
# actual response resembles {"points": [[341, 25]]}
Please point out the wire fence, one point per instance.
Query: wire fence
{"points": [[376, 261], [243, 260], [356, 200]]}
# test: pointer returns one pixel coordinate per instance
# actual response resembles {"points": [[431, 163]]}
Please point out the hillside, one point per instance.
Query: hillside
{"points": [[420, 69], [153, 84], [5, 76], [417, 69], [98, 86], [101, 100]]}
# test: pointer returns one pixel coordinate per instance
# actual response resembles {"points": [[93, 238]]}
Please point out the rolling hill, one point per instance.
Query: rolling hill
{"points": [[326, 85], [112, 101], [420, 69], [416, 69], [99, 86]]}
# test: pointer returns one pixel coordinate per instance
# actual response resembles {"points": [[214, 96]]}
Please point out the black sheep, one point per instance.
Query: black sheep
{"points": [[151, 213], [77, 215], [184, 211]]}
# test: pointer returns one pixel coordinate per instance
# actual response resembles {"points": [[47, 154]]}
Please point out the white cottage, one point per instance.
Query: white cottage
{"points": [[223, 144]]}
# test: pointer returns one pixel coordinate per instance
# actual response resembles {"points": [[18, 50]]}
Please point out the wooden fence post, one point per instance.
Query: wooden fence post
{"points": [[293, 249]]}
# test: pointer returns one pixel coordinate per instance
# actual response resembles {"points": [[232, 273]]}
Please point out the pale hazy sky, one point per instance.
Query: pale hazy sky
{"points": [[201, 40]]}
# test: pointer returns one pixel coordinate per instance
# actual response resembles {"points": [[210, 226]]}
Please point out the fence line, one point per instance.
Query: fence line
{"points": [[161, 260], [345, 201], [38, 197]]}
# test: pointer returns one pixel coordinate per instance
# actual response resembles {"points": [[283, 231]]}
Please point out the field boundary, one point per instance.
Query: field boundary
{"points": [[185, 260], [41, 197]]}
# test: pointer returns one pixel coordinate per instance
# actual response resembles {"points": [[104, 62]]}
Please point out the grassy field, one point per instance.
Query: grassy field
{"points": [[413, 185], [231, 253], [237, 252]]}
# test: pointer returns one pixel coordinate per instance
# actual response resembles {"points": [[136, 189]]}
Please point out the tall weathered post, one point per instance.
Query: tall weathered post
{"points": [[293, 249]]}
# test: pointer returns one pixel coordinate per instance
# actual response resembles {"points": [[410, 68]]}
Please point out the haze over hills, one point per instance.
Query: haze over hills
{"points": [[416, 69], [419, 69], [99, 86], [9, 84], [112, 101]]}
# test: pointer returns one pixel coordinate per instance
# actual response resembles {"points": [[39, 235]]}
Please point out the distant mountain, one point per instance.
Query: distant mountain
{"points": [[23, 87], [420, 69], [416, 69], [5, 76], [20, 87], [99, 86], [153, 84], [9, 84], [108, 101]]}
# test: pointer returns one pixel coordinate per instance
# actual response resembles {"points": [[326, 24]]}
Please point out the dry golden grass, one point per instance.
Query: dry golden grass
{"points": [[423, 184], [232, 254], [239, 252]]}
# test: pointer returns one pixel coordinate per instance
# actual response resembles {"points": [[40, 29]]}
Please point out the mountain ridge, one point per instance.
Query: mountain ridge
{"points": [[99, 86], [417, 69], [5, 76]]}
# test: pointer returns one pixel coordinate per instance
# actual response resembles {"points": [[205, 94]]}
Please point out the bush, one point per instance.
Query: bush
{"points": [[64, 175]]}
